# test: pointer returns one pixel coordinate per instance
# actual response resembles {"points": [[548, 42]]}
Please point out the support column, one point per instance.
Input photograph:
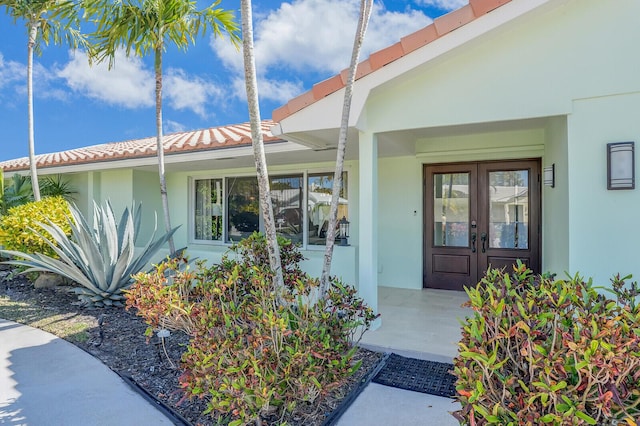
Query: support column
{"points": [[368, 220]]}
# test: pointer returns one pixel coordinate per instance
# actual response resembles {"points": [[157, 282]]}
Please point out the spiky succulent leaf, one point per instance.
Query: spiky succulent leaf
{"points": [[100, 257]]}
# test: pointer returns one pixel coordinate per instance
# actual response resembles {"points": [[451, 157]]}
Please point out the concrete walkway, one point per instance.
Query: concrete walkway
{"points": [[48, 381], [380, 405]]}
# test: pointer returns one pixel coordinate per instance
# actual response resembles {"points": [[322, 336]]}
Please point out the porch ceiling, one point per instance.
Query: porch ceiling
{"points": [[401, 142]]}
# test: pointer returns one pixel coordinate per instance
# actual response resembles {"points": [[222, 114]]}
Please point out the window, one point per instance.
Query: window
{"points": [[228, 209], [208, 209], [244, 207], [320, 187], [287, 196]]}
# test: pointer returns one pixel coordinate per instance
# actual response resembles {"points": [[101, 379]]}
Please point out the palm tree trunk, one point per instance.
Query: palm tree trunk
{"points": [[33, 33], [160, 146], [363, 21], [258, 144]]}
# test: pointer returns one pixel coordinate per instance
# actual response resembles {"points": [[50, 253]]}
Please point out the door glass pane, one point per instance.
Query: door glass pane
{"points": [[509, 209], [451, 210]]}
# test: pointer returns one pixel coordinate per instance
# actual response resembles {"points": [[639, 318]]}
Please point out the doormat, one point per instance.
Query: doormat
{"points": [[418, 375]]}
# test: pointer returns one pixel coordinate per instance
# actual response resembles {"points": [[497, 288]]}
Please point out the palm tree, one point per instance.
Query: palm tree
{"points": [[46, 21], [258, 143], [363, 22], [148, 26]]}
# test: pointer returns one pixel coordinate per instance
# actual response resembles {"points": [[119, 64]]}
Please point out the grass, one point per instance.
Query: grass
{"points": [[69, 326]]}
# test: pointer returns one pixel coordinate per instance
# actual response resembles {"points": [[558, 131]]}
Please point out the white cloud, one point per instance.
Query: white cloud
{"points": [[443, 4], [127, 84], [315, 36], [45, 84], [13, 78], [11, 72], [274, 90], [194, 93], [171, 126], [130, 84]]}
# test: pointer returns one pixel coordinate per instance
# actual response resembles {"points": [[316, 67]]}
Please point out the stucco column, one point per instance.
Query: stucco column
{"points": [[368, 220]]}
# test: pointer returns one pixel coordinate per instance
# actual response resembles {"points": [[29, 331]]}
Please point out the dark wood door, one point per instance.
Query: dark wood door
{"points": [[479, 215]]}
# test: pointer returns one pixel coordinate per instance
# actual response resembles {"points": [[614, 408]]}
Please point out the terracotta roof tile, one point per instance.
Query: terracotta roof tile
{"points": [[441, 26], [418, 39], [382, 57], [480, 7], [454, 20], [175, 143]]}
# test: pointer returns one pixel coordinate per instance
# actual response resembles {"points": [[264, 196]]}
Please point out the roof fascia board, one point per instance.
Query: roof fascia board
{"points": [[218, 154]]}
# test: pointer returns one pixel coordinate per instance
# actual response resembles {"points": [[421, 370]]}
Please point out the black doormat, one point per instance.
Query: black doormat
{"points": [[418, 375]]}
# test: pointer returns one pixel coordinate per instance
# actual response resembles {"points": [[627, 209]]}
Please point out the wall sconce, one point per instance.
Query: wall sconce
{"points": [[549, 176], [621, 167], [343, 229]]}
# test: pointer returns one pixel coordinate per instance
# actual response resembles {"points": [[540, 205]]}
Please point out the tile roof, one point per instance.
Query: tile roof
{"points": [[440, 27], [175, 143]]}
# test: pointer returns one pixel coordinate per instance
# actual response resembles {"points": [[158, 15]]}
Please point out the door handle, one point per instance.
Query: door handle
{"points": [[473, 242], [483, 238]]}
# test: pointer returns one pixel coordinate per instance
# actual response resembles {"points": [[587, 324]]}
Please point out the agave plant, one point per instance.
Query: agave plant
{"points": [[101, 258]]}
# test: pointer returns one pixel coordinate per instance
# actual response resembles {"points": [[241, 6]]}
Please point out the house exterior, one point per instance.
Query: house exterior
{"points": [[480, 139]]}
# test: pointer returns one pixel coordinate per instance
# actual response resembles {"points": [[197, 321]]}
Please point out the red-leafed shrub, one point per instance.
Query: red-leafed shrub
{"points": [[540, 350], [255, 351]]}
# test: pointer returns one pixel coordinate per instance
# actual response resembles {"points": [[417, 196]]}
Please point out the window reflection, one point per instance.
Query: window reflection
{"points": [[320, 187], [208, 209], [286, 198], [509, 209], [243, 210], [451, 210]]}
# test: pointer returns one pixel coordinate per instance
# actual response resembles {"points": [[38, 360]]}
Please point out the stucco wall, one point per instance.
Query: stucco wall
{"points": [[555, 201], [603, 224], [146, 190], [79, 182], [531, 67], [400, 222], [116, 186]]}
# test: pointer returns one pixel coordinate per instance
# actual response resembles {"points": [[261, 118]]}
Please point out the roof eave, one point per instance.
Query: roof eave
{"points": [[325, 112]]}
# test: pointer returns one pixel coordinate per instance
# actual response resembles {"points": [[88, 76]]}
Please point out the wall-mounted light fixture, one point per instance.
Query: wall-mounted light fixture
{"points": [[343, 231], [621, 167], [549, 175]]}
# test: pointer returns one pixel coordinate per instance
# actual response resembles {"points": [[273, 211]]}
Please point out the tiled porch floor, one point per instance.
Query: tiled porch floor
{"points": [[419, 323]]}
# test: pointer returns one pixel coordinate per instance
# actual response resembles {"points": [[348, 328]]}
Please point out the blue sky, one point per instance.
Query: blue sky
{"points": [[297, 44]]}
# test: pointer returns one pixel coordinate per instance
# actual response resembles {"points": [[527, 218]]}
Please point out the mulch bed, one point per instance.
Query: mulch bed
{"points": [[116, 337]]}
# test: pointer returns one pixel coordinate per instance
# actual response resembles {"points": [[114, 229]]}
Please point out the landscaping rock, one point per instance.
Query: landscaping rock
{"points": [[46, 280]]}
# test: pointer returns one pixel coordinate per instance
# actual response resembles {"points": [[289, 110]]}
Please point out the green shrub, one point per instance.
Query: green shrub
{"points": [[18, 225], [251, 357], [16, 192], [545, 351]]}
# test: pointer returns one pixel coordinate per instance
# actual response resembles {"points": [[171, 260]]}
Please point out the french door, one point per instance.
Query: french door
{"points": [[479, 215]]}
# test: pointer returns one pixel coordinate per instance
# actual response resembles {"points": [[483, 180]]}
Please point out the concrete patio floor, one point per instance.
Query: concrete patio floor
{"points": [[423, 324]]}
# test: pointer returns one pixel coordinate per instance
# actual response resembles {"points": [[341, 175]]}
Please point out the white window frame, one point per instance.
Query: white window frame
{"points": [[225, 217]]}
